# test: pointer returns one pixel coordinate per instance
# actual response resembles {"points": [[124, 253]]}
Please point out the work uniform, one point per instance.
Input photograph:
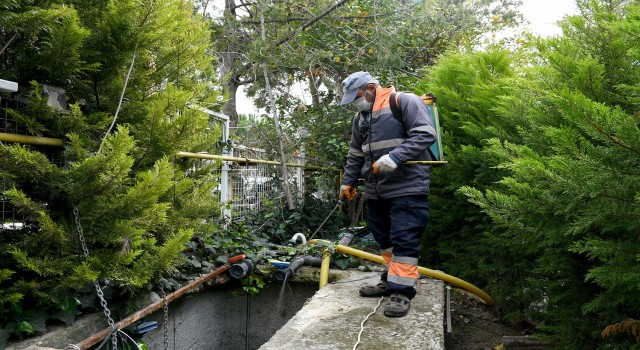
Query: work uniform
{"points": [[398, 209]]}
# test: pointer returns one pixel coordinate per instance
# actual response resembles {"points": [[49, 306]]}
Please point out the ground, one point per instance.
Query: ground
{"points": [[474, 325]]}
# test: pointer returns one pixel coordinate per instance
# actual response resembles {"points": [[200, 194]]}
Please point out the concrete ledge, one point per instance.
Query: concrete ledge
{"points": [[331, 319]]}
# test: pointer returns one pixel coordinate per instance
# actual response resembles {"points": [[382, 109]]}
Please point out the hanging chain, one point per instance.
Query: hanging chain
{"points": [[103, 301], [165, 325]]}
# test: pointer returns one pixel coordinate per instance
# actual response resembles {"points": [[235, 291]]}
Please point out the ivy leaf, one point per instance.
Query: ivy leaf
{"points": [[195, 263], [39, 320], [66, 317], [342, 263], [69, 304], [27, 327], [88, 300], [17, 308]]}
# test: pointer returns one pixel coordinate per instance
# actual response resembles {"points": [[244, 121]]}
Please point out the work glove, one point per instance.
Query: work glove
{"points": [[384, 164], [348, 192]]}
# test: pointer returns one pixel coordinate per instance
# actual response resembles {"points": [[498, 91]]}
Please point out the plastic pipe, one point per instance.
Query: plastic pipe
{"points": [[423, 270], [295, 237], [283, 274]]}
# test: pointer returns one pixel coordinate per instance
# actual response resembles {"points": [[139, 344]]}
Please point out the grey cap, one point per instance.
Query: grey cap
{"points": [[352, 83]]}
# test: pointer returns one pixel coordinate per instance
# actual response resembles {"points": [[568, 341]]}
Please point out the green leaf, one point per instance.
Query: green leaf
{"points": [[39, 320], [66, 317], [88, 300], [142, 345], [16, 307], [69, 304], [27, 327], [342, 262]]}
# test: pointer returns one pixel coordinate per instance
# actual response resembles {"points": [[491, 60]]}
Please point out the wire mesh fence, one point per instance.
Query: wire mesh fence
{"points": [[252, 185]]}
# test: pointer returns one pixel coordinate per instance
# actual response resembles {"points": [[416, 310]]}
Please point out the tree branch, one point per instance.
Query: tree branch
{"points": [[311, 22], [8, 43]]}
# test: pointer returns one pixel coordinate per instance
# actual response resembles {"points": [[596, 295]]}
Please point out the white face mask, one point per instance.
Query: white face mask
{"points": [[362, 105]]}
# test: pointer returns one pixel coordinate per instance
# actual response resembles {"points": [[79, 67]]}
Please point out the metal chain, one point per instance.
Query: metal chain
{"points": [[76, 215], [103, 301], [165, 326]]}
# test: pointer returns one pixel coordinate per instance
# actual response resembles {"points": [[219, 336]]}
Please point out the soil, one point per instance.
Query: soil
{"points": [[475, 326]]}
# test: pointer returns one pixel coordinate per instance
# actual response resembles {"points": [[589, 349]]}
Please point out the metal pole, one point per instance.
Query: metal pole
{"points": [[448, 309], [249, 161], [31, 140]]}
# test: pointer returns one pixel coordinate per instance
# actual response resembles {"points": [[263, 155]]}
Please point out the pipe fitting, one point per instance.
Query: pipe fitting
{"points": [[282, 275], [295, 237], [241, 269]]}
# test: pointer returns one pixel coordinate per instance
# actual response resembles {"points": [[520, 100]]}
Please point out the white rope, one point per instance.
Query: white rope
{"points": [[365, 320]]}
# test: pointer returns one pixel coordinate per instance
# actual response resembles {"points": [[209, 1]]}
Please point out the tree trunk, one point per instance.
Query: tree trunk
{"points": [[276, 120], [313, 86], [229, 64], [230, 107]]}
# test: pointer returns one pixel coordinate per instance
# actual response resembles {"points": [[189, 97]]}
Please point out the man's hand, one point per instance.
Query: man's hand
{"points": [[348, 191], [384, 164]]}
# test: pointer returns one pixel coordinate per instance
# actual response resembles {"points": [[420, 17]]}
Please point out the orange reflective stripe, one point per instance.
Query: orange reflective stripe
{"points": [[403, 270]]}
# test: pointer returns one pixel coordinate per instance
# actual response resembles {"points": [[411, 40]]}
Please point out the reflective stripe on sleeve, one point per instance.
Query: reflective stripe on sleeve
{"points": [[425, 128], [356, 153]]}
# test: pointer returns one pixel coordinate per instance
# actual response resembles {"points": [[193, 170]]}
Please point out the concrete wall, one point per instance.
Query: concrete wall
{"points": [[217, 319], [213, 318]]}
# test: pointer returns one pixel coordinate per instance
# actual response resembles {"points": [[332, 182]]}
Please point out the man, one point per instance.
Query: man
{"points": [[396, 193]]}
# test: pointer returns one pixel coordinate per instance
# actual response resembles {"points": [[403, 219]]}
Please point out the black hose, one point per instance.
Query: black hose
{"points": [[282, 275]]}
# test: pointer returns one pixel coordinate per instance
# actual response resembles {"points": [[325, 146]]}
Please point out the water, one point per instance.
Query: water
{"points": [[280, 296]]}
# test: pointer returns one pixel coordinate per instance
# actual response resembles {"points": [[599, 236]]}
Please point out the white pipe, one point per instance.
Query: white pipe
{"points": [[299, 235]]}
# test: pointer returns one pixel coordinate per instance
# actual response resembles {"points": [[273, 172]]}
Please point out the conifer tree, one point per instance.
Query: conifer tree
{"points": [[562, 138], [138, 205]]}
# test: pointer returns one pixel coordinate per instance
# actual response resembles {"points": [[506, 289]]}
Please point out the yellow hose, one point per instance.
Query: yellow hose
{"points": [[324, 267], [423, 270]]}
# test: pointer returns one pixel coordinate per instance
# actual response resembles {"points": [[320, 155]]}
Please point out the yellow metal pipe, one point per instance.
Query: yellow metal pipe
{"points": [[31, 140], [423, 270], [324, 267], [248, 160], [427, 162], [271, 162]]}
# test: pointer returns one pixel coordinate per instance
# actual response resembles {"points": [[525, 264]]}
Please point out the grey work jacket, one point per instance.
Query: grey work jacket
{"points": [[377, 133]]}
